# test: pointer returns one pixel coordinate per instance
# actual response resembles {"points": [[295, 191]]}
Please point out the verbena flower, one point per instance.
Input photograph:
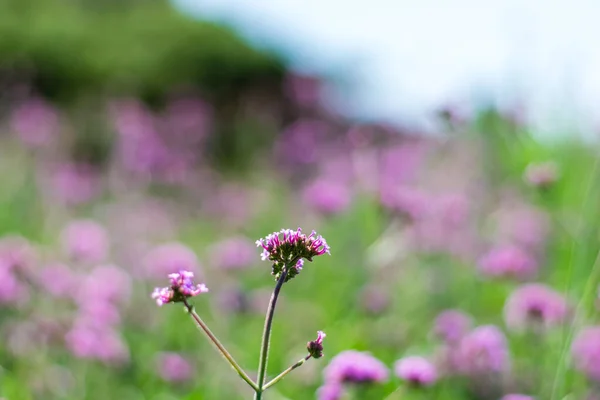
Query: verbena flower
{"points": [[330, 391], [85, 240], [585, 352], [182, 287], [508, 261], [535, 306], [516, 397], [356, 367], [315, 347], [452, 325], [484, 350], [288, 245], [172, 367], [417, 371]]}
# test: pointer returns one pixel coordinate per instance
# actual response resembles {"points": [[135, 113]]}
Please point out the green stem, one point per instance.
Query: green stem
{"points": [[287, 371], [219, 346], [264, 349]]}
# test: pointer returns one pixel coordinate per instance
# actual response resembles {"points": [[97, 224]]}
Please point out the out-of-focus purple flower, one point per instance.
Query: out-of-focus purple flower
{"points": [[188, 121], [356, 367], [452, 325], [417, 371], [233, 300], [85, 240], [408, 201], [585, 351], [327, 196], [170, 257], [12, 291], [35, 122], [541, 175], [535, 306], [482, 351], [287, 244], [105, 283], [17, 254], [330, 391], [99, 343], [508, 261], [182, 287], [374, 299], [98, 313], [515, 396], [173, 367], [75, 184], [522, 225], [233, 253], [315, 347], [57, 279], [299, 143]]}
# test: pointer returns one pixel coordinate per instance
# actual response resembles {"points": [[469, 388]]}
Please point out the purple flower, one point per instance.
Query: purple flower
{"points": [[452, 325], [417, 371], [106, 283], [35, 122], [17, 254], [508, 261], [57, 279], [85, 240], [374, 299], [315, 347], [535, 306], [170, 257], [182, 287], [12, 291], [585, 351], [75, 184], [99, 343], [356, 367], [330, 391], [517, 397], [286, 245], [327, 196], [233, 253], [541, 175], [172, 367], [484, 350]]}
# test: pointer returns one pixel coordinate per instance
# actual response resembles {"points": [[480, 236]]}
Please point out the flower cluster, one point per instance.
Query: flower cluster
{"points": [[182, 287], [416, 371], [288, 247], [315, 347]]}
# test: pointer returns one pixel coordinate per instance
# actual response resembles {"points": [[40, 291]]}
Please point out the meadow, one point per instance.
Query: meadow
{"points": [[480, 219]]}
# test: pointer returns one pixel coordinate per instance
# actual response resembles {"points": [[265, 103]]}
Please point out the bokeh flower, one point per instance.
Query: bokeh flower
{"points": [[452, 325], [327, 196], [169, 257], [541, 175], [416, 371], [85, 240], [330, 391], [355, 367], [508, 262], [515, 396], [181, 288], [233, 253], [484, 350], [585, 352], [173, 367], [535, 306]]}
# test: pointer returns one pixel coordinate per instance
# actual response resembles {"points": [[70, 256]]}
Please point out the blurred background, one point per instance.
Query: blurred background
{"points": [[447, 152]]}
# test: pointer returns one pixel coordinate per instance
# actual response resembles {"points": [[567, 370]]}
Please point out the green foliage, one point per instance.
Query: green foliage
{"points": [[69, 49]]}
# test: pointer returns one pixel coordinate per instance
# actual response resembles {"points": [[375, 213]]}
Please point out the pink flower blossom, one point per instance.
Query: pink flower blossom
{"points": [[35, 122], [57, 279], [75, 184], [173, 367], [508, 261], [417, 371], [85, 240], [535, 306], [181, 288], [585, 352], [452, 325], [327, 196], [357, 367], [517, 397], [482, 351]]}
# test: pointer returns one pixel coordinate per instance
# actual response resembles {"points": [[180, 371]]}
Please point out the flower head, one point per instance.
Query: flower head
{"points": [[541, 175], [508, 261], [315, 347], [330, 391], [585, 352], [287, 246], [357, 367], [182, 287], [517, 397], [535, 306], [417, 371], [452, 325], [484, 350], [85, 240], [172, 367]]}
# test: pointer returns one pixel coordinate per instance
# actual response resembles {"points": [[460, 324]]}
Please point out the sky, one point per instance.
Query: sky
{"points": [[402, 59]]}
